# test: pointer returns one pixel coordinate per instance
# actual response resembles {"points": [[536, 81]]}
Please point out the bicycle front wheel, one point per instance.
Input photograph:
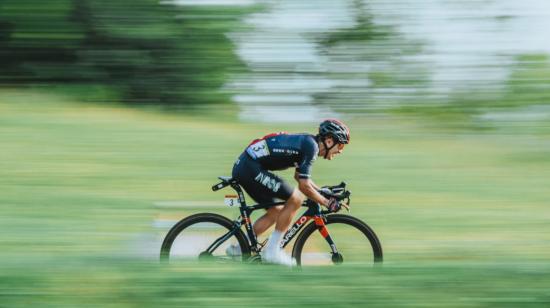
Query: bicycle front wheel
{"points": [[204, 236], [355, 241]]}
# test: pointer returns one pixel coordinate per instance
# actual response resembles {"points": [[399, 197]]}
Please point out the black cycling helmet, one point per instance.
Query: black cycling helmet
{"points": [[335, 129]]}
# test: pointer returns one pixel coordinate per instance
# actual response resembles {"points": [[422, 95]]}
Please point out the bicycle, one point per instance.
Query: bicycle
{"points": [[358, 244]]}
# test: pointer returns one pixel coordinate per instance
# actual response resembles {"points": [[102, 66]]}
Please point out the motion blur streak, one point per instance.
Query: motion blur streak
{"points": [[117, 117]]}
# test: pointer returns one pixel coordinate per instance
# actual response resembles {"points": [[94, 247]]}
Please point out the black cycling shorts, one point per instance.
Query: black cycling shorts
{"points": [[262, 185]]}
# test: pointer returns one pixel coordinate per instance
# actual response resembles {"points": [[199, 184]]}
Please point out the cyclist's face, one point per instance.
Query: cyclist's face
{"points": [[337, 149]]}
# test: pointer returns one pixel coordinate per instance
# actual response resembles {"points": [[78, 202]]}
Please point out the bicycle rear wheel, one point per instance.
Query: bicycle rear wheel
{"points": [[356, 242], [204, 236]]}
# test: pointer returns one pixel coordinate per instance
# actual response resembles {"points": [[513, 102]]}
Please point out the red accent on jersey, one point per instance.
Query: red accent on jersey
{"points": [[267, 136]]}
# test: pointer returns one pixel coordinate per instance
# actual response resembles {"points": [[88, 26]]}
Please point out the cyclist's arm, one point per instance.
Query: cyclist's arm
{"points": [[303, 172], [297, 178], [308, 188]]}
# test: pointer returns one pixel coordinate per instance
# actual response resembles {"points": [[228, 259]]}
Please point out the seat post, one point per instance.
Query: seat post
{"points": [[239, 191], [245, 217]]}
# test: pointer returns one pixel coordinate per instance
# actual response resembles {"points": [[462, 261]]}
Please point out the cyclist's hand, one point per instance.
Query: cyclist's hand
{"points": [[333, 205], [345, 205]]}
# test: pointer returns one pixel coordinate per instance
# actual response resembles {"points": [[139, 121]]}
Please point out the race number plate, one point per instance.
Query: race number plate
{"points": [[258, 149], [231, 200]]}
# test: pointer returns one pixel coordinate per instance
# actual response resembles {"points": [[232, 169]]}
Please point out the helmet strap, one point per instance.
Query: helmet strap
{"points": [[327, 149]]}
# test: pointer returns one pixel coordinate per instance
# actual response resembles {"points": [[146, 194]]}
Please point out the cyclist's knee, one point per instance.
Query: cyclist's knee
{"points": [[295, 199], [274, 211]]}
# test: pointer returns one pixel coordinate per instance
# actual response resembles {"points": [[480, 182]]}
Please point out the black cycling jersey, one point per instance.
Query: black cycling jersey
{"points": [[281, 151], [274, 152]]}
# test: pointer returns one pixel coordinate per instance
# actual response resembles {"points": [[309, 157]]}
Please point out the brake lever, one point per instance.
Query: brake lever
{"points": [[347, 204]]}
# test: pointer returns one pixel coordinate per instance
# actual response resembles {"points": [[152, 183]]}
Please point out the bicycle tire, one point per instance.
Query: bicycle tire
{"points": [[213, 220], [331, 221]]}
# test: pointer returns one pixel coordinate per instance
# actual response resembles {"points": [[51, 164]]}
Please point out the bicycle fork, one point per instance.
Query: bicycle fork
{"points": [[319, 221]]}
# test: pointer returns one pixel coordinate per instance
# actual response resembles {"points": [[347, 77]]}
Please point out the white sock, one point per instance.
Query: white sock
{"points": [[274, 240]]}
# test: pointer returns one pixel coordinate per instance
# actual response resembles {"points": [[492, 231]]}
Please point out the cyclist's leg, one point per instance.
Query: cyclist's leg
{"points": [[273, 251], [292, 205], [264, 187], [267, 220]]}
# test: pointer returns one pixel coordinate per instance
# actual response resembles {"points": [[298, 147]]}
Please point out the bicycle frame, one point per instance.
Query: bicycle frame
{"points": [[313, 212]]}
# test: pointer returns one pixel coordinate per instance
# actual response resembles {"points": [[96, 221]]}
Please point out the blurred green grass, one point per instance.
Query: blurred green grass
{"points": [[462, 216]]}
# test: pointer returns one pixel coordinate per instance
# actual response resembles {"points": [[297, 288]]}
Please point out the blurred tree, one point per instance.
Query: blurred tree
{"points": [[529, 81], [373, 64], [527, 86], [37, 41], [147, 51]]}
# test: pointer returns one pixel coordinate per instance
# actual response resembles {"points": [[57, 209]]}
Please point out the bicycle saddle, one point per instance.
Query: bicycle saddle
{"points": [[226, 181]]}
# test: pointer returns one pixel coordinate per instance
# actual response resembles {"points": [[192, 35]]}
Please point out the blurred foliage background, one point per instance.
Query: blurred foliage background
{"points": [[143, 52], [116, 117]]}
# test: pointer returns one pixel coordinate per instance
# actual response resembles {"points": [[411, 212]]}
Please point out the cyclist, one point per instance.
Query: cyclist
{"points": [[281, 151]]}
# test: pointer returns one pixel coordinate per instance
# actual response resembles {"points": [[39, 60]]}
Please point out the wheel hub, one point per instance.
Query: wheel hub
{"points": [[337, 258], [205, 255]]}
